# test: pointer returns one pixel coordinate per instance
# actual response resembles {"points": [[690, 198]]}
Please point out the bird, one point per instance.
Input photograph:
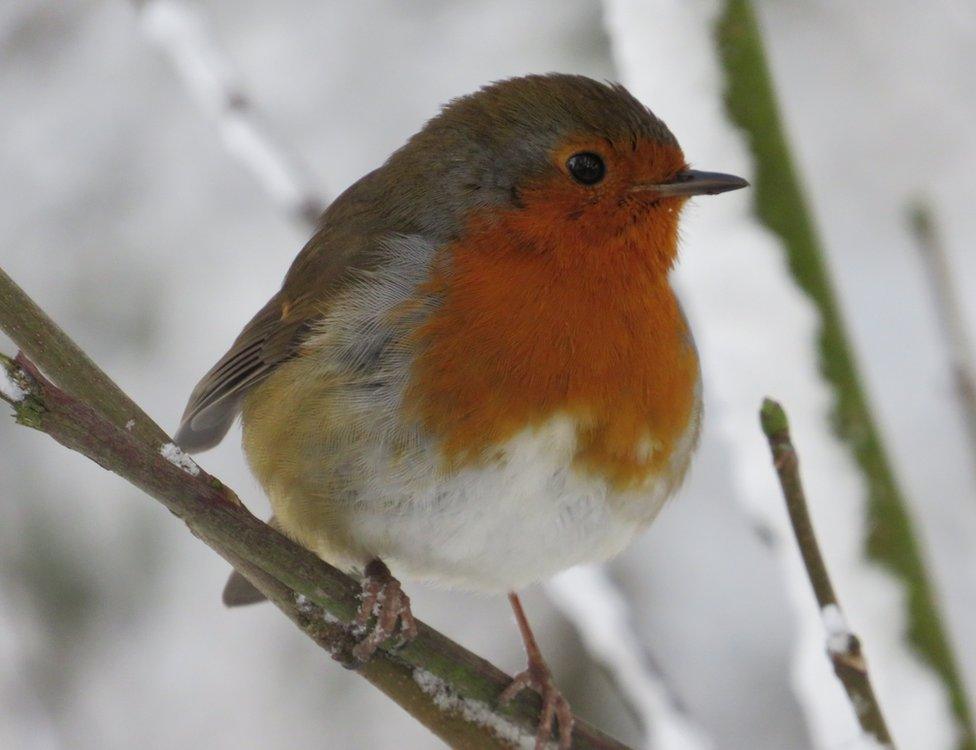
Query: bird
{"points": [[476, 373]]}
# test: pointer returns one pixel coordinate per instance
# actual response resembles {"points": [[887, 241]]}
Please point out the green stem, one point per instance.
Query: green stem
{"points": [[780, 205]]}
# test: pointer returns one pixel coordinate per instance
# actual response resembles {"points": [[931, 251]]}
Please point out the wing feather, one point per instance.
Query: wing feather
{"points": [[345, 240], [266, 342]]}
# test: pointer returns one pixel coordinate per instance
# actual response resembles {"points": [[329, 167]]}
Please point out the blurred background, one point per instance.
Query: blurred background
{"points": [[125, 216]]}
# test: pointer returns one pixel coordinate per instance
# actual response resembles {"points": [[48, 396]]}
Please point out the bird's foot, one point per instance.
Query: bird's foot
{"points": [[382, 598], [554, 705]]}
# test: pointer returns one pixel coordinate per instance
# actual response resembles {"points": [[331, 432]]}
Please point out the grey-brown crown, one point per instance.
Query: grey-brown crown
{"points": [[482, 146]]}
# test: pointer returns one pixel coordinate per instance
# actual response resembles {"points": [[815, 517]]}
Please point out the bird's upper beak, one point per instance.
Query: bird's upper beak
{"points": [[690, 182]]}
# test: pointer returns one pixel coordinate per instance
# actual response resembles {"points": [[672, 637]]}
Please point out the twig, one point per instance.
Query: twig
{"points": [[450, 690], [950, 312], [594, 604], [843, 647], [180, 31]]}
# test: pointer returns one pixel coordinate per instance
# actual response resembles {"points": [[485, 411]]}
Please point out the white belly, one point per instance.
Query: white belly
{"points": [[506, 525]]}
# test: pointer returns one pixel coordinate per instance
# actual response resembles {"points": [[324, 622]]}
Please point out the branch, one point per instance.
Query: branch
{"points": [[179, 30], [450, 690], [843, 647], [951, 316]]}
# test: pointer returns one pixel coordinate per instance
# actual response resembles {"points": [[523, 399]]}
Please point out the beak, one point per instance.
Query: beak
{"points": [[692, 182]]}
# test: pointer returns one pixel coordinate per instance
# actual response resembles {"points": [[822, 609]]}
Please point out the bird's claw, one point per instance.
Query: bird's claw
{"points": [[554, 705], [383, 598]]}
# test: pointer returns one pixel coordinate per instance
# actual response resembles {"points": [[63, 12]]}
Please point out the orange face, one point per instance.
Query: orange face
{"points": [[561, 307], [565, 216]]}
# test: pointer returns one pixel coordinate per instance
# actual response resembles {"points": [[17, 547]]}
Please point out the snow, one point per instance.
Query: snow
{"points": [[307, 607], [175, 455], [591, 601], [474, 711], [180, 30], [243, 138], [839, 634], [9, 389]]}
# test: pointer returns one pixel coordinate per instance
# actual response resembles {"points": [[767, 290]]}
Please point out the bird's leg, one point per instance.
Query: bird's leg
{"points": [[383, 599], [538, 677]]}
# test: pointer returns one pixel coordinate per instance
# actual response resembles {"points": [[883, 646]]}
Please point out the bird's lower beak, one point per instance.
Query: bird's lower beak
{"points": [[692, 182]]}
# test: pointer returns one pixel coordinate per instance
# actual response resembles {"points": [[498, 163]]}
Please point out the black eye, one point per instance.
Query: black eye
{"points": [[586, 167]]}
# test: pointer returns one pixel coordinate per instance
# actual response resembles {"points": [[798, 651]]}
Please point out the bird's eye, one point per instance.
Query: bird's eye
{"points": [[586, 167]]}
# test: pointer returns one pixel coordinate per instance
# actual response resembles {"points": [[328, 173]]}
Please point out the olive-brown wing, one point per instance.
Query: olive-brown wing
{"points": [[276, 333], [269, 339]]}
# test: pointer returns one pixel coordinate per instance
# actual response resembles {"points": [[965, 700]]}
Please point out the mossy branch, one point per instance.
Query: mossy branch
{"points": [[751, 102], [450, 690]]}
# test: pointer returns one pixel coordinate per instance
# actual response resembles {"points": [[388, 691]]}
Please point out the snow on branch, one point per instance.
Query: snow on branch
{"points": [[843, 647], [180, 31], [11, 390], [175, 455]]}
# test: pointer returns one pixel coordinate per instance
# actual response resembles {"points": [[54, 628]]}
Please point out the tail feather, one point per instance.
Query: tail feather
{"points": [[204, 430], [240, 592]]}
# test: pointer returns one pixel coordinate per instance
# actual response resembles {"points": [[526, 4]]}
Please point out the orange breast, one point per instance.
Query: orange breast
{"points": [[540, 319]]}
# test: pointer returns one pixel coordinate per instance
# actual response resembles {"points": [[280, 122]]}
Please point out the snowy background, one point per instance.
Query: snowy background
{"points": [[123, 214]]}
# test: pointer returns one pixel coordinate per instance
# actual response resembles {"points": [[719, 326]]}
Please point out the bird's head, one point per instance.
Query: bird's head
{"points": [[568, 163]]}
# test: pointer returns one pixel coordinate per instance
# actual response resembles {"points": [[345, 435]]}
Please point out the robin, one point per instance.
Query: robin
{"points": [[476, 372]]}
